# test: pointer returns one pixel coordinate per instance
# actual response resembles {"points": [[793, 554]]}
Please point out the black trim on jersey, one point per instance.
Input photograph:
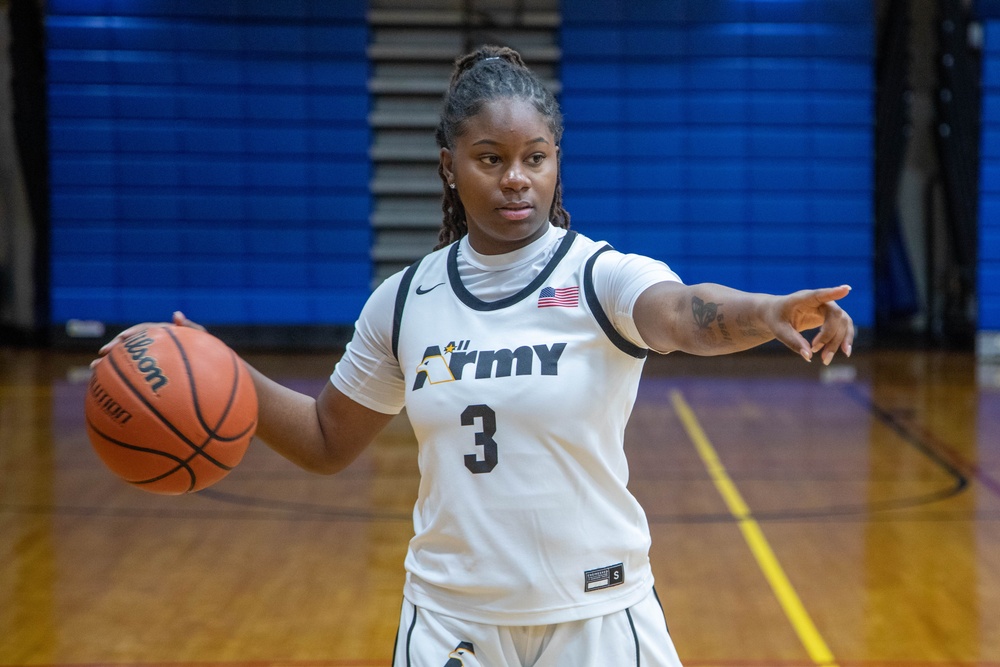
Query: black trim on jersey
{"points": [[409, 637], [466, 297], [635, 635], [397, 313], [399, 629], [657, 596], [590, 293]]}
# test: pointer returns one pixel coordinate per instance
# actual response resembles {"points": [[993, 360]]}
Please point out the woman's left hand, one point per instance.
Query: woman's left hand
{"points": [[808, 309]]}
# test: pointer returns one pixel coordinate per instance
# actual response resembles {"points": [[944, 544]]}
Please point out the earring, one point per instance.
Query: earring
{"points": [[451, 185]]}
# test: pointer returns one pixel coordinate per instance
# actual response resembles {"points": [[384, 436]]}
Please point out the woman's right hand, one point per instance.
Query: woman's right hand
{"points": [[179, 320]]}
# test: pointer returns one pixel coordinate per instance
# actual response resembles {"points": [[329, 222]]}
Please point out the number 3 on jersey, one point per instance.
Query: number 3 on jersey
{"points": [[484, 438]]}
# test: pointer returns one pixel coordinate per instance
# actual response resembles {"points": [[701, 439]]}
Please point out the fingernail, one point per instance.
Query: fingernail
{"points": [[847, 351], [807, 355]]}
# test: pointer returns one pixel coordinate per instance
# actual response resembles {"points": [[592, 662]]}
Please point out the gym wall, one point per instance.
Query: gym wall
{"points": [[213, 156]]}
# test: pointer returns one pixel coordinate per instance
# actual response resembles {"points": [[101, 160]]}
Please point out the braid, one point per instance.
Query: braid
{"points": [[489, 73], [559, 215], [453, 226]]}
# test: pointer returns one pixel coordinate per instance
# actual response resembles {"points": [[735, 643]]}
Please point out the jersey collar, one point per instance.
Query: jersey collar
{"points": [[466, 297]]}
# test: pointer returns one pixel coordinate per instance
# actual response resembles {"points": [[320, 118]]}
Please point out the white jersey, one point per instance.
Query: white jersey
{"points": [[519, 400], [520, 407]]}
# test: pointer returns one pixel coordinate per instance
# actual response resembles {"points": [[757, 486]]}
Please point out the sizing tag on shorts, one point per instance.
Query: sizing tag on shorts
{"points": [[604, 577]]}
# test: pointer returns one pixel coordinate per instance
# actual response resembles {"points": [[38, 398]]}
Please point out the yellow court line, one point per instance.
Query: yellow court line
{"points": [[789, 600]]}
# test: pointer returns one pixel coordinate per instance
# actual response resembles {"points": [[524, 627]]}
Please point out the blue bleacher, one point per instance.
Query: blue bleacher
{"points": [[187, 144], [744, 131]]}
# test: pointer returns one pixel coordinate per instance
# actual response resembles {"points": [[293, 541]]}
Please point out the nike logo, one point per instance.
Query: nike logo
{"points": [[421, 290]]}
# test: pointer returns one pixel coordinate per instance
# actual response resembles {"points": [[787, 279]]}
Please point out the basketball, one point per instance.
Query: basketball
{"points": [[171, 409]]}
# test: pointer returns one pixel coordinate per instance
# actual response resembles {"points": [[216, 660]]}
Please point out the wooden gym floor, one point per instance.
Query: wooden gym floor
{"points": [[845, 516]]}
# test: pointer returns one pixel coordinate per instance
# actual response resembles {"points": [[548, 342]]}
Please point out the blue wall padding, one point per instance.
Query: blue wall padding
{"points": [[988, 289], [213, 156], [731, 139], [210, 157]]}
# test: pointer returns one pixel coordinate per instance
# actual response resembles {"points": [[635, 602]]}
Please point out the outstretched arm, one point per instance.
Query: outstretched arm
{"points": [[710, 319]]}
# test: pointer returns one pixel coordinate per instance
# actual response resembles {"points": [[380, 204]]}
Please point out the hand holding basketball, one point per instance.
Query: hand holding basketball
{"points": [[170, 409]]}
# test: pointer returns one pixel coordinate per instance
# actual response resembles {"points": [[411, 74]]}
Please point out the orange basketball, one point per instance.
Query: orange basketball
{"points": [[171, 409]]}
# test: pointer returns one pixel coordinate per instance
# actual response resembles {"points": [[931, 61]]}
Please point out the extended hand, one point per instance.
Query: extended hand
{"points": [[808, 309]]}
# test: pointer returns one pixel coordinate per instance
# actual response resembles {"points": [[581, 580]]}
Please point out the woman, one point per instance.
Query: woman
{"points": [[516, 348]]}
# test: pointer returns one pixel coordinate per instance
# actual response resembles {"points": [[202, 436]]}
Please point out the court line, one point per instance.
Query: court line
{"points": [[948, 458], [787, 597]]}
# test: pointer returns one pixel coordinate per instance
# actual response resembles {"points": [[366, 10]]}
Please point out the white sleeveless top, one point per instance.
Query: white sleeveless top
{"points": [[520, 405]]}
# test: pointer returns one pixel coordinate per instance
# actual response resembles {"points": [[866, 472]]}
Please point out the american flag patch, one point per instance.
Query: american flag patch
{"points": [[565, 297]]}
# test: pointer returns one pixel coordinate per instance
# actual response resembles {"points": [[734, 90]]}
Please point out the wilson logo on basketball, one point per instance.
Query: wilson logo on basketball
{"points": [[136, 346]]}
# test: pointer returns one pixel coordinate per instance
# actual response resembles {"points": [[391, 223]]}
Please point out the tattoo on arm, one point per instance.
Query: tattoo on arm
{"points": [[746, 326], [737, 331], [706, 313]]}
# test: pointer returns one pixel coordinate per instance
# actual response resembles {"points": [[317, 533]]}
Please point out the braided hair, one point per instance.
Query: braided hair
{"points": [[489, 73]]}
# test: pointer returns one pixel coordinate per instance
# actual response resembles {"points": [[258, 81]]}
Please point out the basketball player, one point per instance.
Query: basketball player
{"points": [[516, 348]]}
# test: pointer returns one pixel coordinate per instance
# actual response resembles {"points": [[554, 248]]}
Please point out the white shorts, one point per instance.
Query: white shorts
{"points": [[636, 636]]}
